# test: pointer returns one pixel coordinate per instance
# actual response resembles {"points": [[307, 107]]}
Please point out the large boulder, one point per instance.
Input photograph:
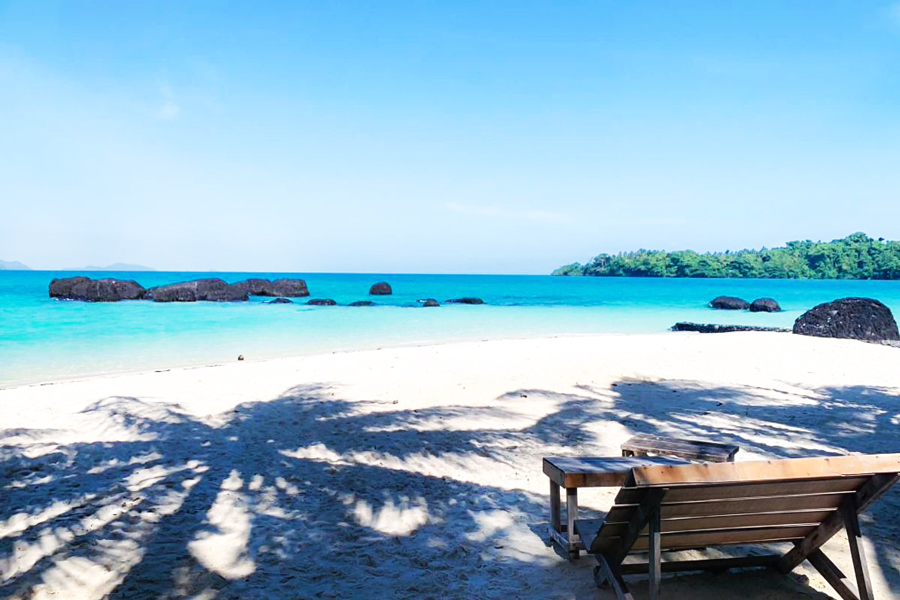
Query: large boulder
{"points": [[322, 302], [465, 301], [764, 305], [292, 288], [212, 290], [729, 303], [362, 303], [96, 290], [382, 288], [255, 287], [855, 318]]}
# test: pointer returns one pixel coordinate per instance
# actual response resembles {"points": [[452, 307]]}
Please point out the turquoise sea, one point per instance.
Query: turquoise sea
{"points": [[42, 339]]}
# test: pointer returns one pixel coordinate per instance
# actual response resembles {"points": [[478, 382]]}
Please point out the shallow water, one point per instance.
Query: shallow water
{"points": [[42, 339]]}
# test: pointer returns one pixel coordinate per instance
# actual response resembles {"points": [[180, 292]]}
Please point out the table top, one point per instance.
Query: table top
{"points": [[599, 471]]}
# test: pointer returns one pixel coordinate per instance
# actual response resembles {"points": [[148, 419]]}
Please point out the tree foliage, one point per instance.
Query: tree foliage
{"points": [[854, 257]]}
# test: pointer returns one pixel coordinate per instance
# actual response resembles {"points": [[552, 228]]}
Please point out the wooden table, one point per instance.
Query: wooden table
{"points": [[700, 450], [571, 473]]}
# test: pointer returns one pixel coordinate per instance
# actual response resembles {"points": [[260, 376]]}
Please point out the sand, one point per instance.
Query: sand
{"points": [[407, 473]]}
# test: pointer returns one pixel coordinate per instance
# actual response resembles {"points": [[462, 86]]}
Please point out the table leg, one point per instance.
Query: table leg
{"points": [[571, 515], [555, 520]]}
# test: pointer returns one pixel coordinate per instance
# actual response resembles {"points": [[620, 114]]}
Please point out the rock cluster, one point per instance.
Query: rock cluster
{"points": [[854, 318], [210, 290], [734, 303], [713, 328]]}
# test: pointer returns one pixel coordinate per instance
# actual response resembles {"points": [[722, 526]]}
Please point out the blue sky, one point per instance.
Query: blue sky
{"points": [[447, 137]]}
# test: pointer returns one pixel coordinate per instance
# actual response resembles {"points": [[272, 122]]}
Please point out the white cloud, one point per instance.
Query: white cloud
{"points": [[170, 110], [543, 216]]}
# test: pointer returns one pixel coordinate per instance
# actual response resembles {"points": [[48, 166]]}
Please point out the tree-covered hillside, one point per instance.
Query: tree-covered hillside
{"points": [[855, 257]]}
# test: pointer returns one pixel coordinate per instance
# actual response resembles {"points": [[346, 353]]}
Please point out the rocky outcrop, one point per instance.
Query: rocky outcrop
{"points": [[465, 301], [322, 302], [212, 290], [362, 303], [382, 288], [713, 328], [279, 301], [430, 302], [854, 318], [96, 290], [286, 288], [729, 303], [764, 305]]}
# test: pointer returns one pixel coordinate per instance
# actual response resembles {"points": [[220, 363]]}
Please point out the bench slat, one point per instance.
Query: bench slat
{"points": [[633, 495], [797, 517], [621, 513]]}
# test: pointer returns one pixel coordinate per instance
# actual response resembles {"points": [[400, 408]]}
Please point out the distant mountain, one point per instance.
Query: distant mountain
{"points": [[114, 267], [13, 265]]}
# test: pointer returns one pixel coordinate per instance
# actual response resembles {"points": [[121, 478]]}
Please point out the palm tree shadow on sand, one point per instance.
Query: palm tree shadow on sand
{"points": [[302, 496]]}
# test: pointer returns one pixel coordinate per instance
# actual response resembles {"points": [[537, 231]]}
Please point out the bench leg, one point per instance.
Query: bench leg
{"points": [[571, 515], [854, 536], [655, 559], [607, 572]]}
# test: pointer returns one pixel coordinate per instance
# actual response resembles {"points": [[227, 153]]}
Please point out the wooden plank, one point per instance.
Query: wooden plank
{"points": [[724, 537], [864, 497], [854, 537], [619, 513], [612, 575], [723, 491], [598, 471], [833, 575], [710, 564], [653, 539], [768, 470], [587, 529], [796, 517], [555, 520], [637, 522], [695, 449]]}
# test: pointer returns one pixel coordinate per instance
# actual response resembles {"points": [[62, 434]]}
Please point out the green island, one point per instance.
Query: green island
{"points": [[854, 257]]}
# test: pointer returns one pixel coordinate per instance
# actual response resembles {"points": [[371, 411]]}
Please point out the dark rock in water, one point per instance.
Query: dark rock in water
{"points": [[382, 288], [712, 328], [362, 303], [430, 302], [322, 302], [764, 305], [96, 290], [213, 290], [465, 301], [853, 318], [284, 288], [255, 287], [729, 303], [293, 288], [280, 301]]}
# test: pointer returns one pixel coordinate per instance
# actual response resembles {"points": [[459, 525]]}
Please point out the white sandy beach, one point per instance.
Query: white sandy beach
{"points": [[408, 473]]}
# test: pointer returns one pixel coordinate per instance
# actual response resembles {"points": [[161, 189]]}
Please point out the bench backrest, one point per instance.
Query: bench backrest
{"points": [[740, 503]]}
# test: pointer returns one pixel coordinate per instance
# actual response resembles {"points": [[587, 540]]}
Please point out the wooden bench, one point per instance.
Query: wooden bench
{"points": [[646, 444], [801, 500]]}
